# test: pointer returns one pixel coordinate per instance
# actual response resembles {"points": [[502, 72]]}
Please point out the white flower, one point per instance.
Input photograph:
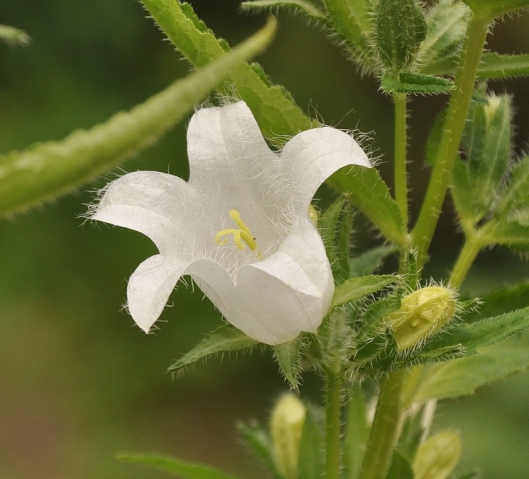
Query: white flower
{"points": [[239, 227]]}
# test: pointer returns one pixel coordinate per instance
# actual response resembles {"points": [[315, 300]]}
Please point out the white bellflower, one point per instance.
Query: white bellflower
{"points": [[240, 226]]}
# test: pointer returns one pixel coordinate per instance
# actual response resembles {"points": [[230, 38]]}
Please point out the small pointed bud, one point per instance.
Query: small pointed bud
{"points": [[400, 29], [438, 456], [286, 429], [421, 313]]}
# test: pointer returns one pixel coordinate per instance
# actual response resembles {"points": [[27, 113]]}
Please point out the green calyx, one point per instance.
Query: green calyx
{"points": [[421, 313]]}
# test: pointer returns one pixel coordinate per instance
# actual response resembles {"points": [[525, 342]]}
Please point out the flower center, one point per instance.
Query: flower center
{"points": [[240, 236]]}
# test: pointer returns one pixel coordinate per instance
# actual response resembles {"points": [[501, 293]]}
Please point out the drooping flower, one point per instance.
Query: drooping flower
{"points": [[240, 226]]}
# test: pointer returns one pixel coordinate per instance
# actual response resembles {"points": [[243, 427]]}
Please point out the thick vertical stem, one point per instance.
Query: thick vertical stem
{"points": [[451, 136], [385, 428], [333, 420], [401, 178]]}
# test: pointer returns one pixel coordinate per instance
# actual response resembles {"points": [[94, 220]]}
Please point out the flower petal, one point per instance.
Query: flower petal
{"points": [[275, 300], [310, 157], [161, 206], [230, 161], [149, 288]]}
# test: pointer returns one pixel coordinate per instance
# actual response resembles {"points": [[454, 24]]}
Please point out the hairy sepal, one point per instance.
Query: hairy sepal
{"points": [[226, 339]]}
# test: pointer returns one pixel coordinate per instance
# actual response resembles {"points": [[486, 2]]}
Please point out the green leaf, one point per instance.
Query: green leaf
{"points": [[274, 109], [300, 6], [368, 191], [463, 376], [49, 169], [416, 84], [481, 334], [14, 36], [344, 244], [311, 458], [493, 66], [256, 438], [490, 9], [184, 470], [501, 301], [513, 233], [369, 261], [400, 29], [375, 313], [356, 288], [357, 433], [352, 21], [447, 24], [224, 339], [514, 195], [327, 226], [288, 357], [487, 143], [400, 467]]}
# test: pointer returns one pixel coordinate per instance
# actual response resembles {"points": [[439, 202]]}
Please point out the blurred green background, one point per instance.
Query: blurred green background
{"points": [[77, 381]]}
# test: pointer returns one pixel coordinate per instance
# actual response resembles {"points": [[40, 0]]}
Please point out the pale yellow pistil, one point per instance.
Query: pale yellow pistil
{"points": [[240, 236]]}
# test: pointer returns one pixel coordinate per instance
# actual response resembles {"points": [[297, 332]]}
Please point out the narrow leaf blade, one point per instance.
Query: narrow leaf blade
{"points": [[49, 169], [356, 288], [356, 435], [311, 459], [463, 376], [288, 357], [274, 109], [224, 339], [177, 468], [368, 191]]}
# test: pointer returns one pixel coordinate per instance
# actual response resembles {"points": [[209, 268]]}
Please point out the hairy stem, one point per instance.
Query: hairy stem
{"points": [[451, 136], [401, 179], [385, 428], [333, 420]]}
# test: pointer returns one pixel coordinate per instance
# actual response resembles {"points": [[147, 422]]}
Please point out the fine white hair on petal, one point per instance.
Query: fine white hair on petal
{"points": [[277, 290]]}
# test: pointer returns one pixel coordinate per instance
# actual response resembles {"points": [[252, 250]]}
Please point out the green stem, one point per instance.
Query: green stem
{"points": [[401, 179], [473, 245], [385, 428], [333, 420], [451, 136]]}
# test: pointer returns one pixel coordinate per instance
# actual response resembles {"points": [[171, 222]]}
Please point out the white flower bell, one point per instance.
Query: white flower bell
{"points": [[239, 227]]}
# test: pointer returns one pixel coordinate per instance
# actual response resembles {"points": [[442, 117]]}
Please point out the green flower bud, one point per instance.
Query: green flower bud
{"points": [[400, 29], [438, 456], [421, 313], [286, 429]]}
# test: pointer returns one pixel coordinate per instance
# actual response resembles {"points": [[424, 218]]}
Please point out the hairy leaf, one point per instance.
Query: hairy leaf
{"points": [[224, 339], [369, 261], [256, 438], [49, 169], [288, 357], [463, 376], [447, 24], [368, 191], [274, 109], [352, 21], [356, 288], [301, 6], [415, 84]]}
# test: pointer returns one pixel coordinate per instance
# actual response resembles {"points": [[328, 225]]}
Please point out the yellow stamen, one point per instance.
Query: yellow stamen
{"points": [[314, 215], [240, 236]]}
